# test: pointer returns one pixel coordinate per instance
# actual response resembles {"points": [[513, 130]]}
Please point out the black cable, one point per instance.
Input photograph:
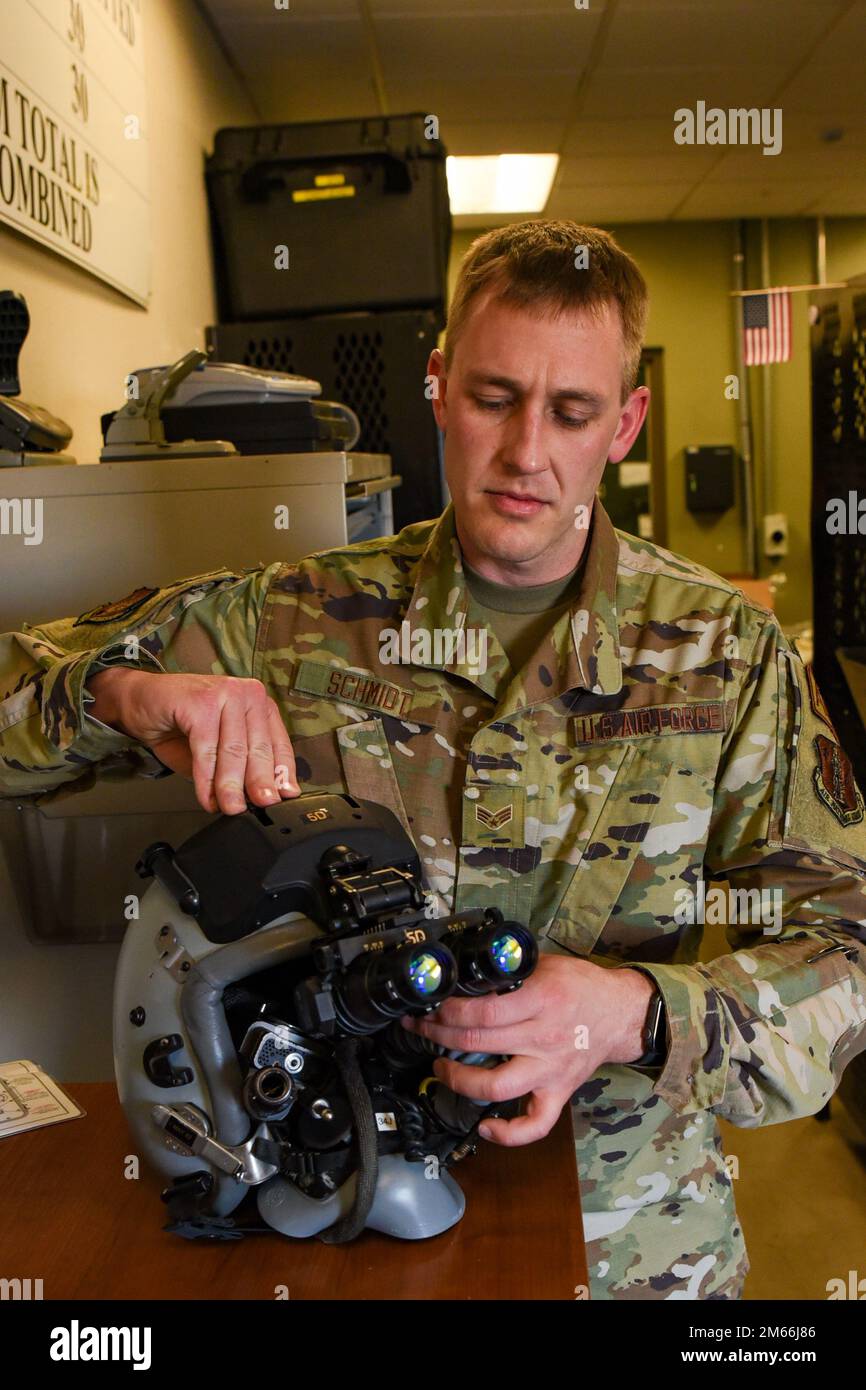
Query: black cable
{"points": [[361, 1105]]}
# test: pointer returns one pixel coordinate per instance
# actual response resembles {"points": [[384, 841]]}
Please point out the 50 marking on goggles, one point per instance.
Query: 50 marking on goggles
{"points": [[385, 980]]}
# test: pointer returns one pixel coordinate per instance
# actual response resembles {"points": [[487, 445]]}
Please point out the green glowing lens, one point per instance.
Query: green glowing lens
{"points": [[425, 973], [507, 952]]}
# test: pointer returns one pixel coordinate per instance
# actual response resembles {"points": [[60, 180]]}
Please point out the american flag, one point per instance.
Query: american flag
{"points": [[767, 327]]}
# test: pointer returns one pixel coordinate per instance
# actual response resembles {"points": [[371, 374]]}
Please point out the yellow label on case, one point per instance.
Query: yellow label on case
{"points": [[314, 195]]}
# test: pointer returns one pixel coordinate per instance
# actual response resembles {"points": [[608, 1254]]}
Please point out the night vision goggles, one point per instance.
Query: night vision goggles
{"points": [[257, 1035]]}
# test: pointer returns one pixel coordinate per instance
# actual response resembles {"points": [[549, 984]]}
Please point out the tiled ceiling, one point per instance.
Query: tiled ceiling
{"points": [[598, 85]]}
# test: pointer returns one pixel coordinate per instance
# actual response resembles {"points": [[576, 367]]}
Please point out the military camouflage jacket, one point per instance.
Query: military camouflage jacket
{"points": [[663, 748]]}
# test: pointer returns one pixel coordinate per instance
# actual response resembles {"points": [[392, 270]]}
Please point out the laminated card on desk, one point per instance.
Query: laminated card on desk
{"points": [[29, 1099]]}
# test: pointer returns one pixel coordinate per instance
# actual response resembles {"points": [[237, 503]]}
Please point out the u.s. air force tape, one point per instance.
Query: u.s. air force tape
{"points": [[651, 721]]}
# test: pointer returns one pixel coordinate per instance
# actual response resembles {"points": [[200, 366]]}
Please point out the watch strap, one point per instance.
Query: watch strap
{"points": [[654, 1033]]}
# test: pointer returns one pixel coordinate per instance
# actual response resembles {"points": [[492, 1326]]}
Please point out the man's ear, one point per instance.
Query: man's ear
{"points": [[630, 421], [437, 385]]}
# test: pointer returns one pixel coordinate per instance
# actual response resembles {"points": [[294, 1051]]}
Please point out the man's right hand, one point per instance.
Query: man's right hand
{"points": [[222, 731]]}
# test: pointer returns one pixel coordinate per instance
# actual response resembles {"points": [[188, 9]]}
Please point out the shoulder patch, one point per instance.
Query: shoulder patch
{"points": [[834, 781], [117, 610]]}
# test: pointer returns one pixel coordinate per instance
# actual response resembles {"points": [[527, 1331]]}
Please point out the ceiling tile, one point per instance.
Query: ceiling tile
{"points": [[847, 40], [498, 137], [297, 51], [652, 203], [802, 132], [531, 96], [662, 91], [623, 135], [432, 45], [680, 166], [824, 162], [836, 93], [316, 99], [755, 198], [708, 35]]}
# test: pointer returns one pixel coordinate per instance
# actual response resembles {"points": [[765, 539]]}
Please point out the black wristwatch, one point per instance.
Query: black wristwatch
{"points": [[655, 1034]]}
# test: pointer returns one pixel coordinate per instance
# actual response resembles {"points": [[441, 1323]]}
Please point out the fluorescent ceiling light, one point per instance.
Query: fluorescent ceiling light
{"points": [[500, 182]]}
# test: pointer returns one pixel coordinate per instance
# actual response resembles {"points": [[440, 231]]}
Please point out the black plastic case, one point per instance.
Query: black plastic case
{"points": [[361, 207]]}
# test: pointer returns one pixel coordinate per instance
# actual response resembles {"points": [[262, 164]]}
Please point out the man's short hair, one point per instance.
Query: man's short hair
{"points": [[537, 264]]}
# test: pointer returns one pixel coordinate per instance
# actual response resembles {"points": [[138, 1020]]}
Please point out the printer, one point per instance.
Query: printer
{"points": [[196, 407]]}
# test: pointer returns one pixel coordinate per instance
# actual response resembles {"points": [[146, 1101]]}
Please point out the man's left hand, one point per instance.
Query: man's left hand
{"points": [[568, 1019]]}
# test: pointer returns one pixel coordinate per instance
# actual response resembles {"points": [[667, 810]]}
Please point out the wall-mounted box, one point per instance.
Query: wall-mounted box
{"points": [[710, 477]]}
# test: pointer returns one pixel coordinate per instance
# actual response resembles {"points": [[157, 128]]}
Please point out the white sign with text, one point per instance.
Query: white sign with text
{"points": [[73, 136]]}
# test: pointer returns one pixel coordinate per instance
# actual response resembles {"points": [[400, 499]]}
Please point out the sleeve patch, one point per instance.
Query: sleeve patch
{"points": [[824, 812], [834, 781], [119, 609]]}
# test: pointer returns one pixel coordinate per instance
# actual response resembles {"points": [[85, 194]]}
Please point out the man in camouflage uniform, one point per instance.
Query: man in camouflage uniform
{"points": [[630, 732]]}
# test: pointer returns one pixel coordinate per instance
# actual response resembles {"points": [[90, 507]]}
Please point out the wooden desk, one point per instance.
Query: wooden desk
{"points": [[69, 1217]]}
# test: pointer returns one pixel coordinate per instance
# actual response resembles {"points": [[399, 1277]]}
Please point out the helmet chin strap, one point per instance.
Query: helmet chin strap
{"points": [[361, 1105]]}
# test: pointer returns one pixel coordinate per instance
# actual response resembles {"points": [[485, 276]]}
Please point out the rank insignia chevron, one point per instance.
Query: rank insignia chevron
{"points": [[494, 820]]}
